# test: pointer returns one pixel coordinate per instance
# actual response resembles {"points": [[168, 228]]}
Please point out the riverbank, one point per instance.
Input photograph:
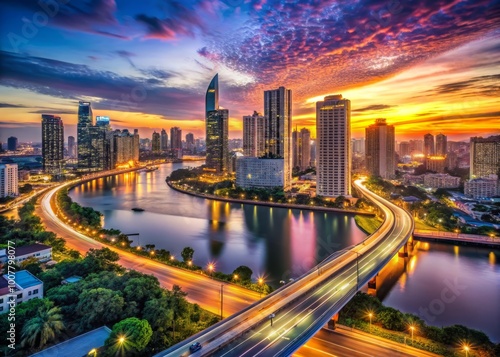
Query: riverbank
{"points": [[368, 224], [267, 204]]}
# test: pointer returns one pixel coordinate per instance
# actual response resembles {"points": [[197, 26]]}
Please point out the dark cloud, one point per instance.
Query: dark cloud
{"points": [[9, 105], [92, 16], [180, 19], [54, 111], [116, 92], [374, 107], [488, 85]]}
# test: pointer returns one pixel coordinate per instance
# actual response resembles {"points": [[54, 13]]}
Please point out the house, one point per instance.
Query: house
{"points": [[41, 252], [24, 286]]}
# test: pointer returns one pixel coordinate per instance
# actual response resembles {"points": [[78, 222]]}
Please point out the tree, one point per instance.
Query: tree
{"points": [[187, 254], [243, 272], [44, 327], [98, 260], [178, 304], [98, 307], [135, 333]]}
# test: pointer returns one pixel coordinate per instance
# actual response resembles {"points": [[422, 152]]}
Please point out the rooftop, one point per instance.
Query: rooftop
{"points": [[79, 345], [24, 279], [32, 248]]}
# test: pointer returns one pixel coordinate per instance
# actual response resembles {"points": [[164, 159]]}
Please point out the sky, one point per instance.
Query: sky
{"points": [[424, 65]]}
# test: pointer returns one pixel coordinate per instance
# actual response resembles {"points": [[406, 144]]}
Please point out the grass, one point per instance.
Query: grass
{"points": [[420, 225], [368, 224]]}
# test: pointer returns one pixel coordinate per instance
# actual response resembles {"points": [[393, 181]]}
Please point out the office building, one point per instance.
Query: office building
{"points": [[429, 145], [358, 146], [482, 188], [125, 148], [85, 121], [254, 172], [164, 140], [278, 129], [176, 141], [254, 135], [9, 185], [441, 181], [190, 147], [333, 135], [99, 149], [435, 163], [12, 143], [52, 144], [155, 143], [217, 130], [441, 145], [301, 148], [484, 156], [71, 147], [380, 155]]}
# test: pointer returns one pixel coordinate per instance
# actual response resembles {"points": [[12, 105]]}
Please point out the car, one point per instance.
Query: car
{"points": [[195, 347]]}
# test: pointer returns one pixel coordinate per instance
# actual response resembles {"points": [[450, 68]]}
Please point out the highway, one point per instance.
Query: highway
{"points": [[201, 289], [301, 308]]}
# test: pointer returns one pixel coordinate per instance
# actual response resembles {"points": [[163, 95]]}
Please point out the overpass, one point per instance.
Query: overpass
{"points": [[301, 308]]}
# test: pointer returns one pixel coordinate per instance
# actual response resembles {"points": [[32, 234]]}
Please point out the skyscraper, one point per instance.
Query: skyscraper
{"points": [[484, 156], [380, 153], [164, 140], [155, 143], [333, 135], [99, 149], [102, 121], [254, 135], [441, 145], [71, 147], [217, 130], [404, 148], [52, 144], [301, 149], [429, 145], [12, 143], [85, 121], [278, 131], [176, 141]]}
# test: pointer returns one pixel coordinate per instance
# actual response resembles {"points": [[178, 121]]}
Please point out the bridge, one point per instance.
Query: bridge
{"points": [[451, 237], [284, 320]]}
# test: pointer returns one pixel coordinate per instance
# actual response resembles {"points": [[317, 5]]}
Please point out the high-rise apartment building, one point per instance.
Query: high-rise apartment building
{"points": [[441, 145], [71, 147], [99, 149], [429, 145], [416, 146], [301, 148], [12, 143], [484, 156], [52, 144], [380, 155], [278, 130], [333, 135], [9, 186], [176, 141], [85, 121], [358, 146], [190, 146], [217, 130], [164, 140], [125, 147], [404, 149], [254, 135], [155, 143]]}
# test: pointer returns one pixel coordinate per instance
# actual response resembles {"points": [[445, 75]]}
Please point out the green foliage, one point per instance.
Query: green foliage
{"points": [[84, 216], [26, 188], [43, 327], [98, 307], [243, 272], [187, 254], [136, 335]]}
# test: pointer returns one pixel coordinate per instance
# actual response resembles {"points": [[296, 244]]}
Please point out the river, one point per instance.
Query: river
{"points": [[280, 244]]}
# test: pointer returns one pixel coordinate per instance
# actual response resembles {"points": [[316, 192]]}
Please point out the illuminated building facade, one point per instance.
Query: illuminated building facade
{"points": [[52, 144]]}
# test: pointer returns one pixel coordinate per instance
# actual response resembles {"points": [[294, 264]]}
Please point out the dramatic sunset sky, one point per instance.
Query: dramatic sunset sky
{"points": [[425, 65]]}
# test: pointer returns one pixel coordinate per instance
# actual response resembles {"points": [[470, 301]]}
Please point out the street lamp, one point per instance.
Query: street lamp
{"points": [[439, 225], [261, 281], [121, 340], [211, 268], [412, 328], [370, 315], [235, 277], [466, 349]]}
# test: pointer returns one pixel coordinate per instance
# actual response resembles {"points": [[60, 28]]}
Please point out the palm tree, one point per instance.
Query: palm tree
{"points": [[43, 327]]}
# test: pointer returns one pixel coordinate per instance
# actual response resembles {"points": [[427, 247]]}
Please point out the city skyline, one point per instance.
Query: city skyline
{"points": [[377, 55]]}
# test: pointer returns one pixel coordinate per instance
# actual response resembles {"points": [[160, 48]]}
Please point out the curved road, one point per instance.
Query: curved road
{"points": [[200, 288]]}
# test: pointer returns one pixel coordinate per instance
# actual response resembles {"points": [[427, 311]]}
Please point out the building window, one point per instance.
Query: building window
{"points": [[1, 301], [29, 293], [20, 296], [1, 308], [35, 291]]}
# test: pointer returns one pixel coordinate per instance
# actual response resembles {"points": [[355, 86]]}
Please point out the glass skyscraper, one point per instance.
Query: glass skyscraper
{"points": [[217, 130], [85, 122]]}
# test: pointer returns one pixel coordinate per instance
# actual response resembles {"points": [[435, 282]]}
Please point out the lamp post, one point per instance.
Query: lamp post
{"points": [[370, 315], [466, 349], [439, 225], [412, 328], [221, 301], [260, 286], [211, 268]]}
